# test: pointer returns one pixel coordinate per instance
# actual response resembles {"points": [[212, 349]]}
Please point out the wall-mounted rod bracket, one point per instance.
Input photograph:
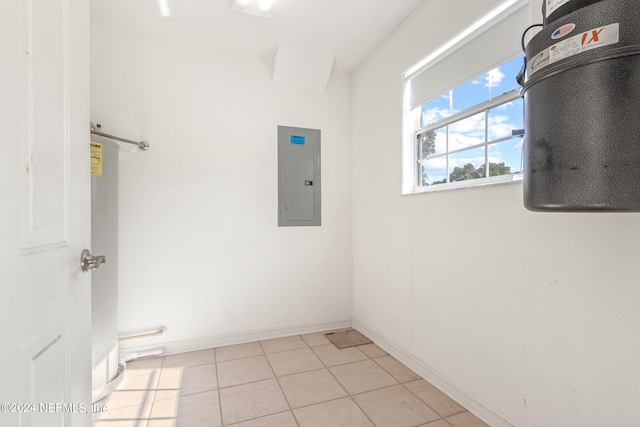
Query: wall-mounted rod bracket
{"points": [[144, 146]]}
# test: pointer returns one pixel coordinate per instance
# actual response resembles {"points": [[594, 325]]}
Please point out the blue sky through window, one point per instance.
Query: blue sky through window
{"points": [[500, 122]]}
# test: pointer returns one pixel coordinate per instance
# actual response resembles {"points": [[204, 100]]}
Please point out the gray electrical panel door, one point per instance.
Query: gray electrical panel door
{"points": [[298, 176]]}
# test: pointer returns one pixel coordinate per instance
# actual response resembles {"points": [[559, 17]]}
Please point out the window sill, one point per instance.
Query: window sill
{"points": [[481, 182]]}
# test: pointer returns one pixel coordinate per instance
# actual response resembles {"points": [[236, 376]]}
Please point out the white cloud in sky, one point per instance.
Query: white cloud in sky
{"points": [[494, 77], [433, 115], [461, 161], [519, 145], [499, 127], [472, 126], [458, 141], [439, 164]]}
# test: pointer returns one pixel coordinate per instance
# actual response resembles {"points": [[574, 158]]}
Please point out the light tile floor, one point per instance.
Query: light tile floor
{"points": [[298, 381]]}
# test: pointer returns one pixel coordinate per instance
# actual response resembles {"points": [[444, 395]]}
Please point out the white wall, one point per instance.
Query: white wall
{"points": [[530, 318], [200, 250]]}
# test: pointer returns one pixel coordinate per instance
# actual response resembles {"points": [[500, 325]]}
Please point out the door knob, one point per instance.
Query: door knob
{"points": [[90, 262]]}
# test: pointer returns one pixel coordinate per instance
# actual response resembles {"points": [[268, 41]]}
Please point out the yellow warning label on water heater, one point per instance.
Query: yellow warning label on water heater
{"points": [[96, 158]]}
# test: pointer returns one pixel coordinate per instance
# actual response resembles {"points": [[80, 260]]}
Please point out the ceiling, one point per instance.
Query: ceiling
{"points": [[349, 28]]}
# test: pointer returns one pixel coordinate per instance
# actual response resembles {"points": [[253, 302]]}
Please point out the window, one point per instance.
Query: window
{"points": [[463, 114], [471, 126]]}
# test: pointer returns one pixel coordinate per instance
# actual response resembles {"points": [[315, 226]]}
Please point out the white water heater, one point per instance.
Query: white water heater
{"points": [[107, 371]]}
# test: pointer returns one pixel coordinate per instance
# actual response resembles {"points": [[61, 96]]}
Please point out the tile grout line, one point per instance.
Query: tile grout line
{"points": [[215, 358], [258, 418], [155, 388], [243, 357], [362, 410], [440, 417], [278, 381], [403, 384], [343, 363], [349, 395], [427, 404]]}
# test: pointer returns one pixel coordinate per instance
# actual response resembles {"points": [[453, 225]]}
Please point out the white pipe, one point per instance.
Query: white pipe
{"points": [[161, 330], [140, 354], [104, 390]]}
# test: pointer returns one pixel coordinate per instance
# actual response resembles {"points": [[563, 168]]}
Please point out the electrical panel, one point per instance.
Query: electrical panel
{"points": [[298, 177]]}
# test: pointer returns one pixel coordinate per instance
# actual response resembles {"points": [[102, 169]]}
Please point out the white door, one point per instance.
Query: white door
{"points": [[45, 299]]}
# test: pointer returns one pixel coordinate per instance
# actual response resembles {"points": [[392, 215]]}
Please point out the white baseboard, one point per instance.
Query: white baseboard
{"points": [[203, 343], [418, 366], [438, 380]]}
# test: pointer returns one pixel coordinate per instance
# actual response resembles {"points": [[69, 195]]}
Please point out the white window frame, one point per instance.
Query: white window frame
{"points": [[412, 116], [483, 107]]}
